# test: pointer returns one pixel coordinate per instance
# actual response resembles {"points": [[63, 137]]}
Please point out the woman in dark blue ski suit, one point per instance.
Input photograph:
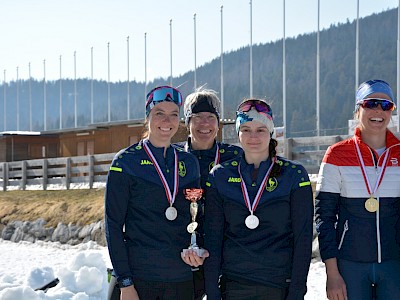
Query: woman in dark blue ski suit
{"points": [[258, 217], [146, 213]]}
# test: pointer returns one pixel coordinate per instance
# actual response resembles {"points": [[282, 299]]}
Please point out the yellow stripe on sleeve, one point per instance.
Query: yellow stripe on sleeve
{"points": [[116, 169], [305, 183]]}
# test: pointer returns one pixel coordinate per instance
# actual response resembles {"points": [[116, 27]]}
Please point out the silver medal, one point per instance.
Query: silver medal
{"points": [[252, 222], [171, 213]]}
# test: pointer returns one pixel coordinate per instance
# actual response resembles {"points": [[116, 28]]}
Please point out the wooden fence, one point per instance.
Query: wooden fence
{"points": [[93, 168], [59, 171]]}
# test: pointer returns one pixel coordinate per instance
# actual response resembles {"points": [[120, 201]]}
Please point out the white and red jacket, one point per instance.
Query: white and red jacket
{"points": [[346, 229]]}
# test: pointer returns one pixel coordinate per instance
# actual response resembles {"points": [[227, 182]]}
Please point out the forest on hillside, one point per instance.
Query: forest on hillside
{"points": [[377, 59]]}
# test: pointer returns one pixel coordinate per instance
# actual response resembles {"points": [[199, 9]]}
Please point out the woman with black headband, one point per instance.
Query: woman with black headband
{"points": [[258, 217], [146, 213], [358, 203], [202, 115]]}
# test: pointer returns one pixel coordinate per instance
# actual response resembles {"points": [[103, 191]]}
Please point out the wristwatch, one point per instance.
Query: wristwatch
{"points": [[125, 282]]}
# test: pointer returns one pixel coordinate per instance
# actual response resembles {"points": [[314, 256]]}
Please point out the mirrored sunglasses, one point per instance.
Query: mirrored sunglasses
{"points": [[374, 102], [260, 106], [165, 94]]}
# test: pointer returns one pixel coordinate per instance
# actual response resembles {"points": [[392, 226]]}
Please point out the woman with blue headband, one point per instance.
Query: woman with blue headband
{"points": [[258, 217], [146, 213], [358, 203]]}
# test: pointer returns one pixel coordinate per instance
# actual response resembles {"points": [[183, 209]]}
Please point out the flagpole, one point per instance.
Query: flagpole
{"points": [[91, 87], [30, 97], [5, 101], [75, 100], [195, 65], [145, 67], [170, 49], [60, 110], [17, 87], [284, 71], [108, 83], [128, 104], [251, 49], [222, 63], [357, 43], [318, 74], [44, 97]]}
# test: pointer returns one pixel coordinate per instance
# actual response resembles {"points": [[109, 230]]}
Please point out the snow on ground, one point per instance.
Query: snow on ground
{"points": [[82, 271]]}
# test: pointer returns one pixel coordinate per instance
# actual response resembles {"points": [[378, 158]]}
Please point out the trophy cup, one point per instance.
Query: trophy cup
{"points": [[193, 195]]}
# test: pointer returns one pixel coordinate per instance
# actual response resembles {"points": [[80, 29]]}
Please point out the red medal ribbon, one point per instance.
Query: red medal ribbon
{"points": [[364, 172], [170, 196], [252, 207]]}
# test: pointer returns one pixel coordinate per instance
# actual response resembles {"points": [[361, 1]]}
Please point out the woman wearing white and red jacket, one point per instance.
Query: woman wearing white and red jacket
{"points": [[358, 203], [258, 217]]}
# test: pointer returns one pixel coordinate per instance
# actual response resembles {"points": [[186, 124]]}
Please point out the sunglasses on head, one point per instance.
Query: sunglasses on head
{"points": [[259, 105], [375, 102], [165, 93]]}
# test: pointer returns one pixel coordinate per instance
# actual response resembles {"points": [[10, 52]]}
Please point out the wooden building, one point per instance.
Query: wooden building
{"points": [[93, 139], [24, 145]]}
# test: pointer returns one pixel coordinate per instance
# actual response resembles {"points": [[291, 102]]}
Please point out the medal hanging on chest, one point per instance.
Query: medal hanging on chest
{"points": [[372, 203], [170, 213], [252, 221]]}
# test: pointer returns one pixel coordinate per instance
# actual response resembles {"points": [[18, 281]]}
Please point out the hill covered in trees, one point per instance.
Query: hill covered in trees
{"points": [[377, 59]]}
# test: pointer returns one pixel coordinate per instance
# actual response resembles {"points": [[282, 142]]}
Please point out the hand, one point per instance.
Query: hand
{"points": [[336, 288], [129, 293], [192, 259], [335, 285]]}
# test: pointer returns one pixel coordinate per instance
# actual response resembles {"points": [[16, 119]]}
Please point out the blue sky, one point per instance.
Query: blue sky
{"points": [[34, 31]]}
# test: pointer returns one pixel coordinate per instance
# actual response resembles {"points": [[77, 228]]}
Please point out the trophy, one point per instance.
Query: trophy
{"points": [[193, 195]]}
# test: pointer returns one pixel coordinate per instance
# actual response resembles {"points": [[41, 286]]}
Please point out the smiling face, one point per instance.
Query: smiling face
{"points": [[374, 120], [163, 123], [203, 128], [254, 137]]}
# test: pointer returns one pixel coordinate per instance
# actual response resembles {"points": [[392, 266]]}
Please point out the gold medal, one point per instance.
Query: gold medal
{"points": [[372, 204]]}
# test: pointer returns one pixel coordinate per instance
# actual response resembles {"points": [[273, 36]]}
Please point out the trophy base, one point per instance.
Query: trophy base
{"points": [[198, 251]]}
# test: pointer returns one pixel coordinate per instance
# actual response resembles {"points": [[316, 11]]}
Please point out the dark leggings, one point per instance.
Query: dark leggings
{"points": [[359, 278], [233, 290], [151, 290]]}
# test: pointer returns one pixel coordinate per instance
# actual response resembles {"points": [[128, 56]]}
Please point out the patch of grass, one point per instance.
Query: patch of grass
{"points": [[79, 207]]}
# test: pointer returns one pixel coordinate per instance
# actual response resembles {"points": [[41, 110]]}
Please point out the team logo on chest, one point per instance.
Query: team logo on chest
{"points": [[182, 169], [271, 185]]}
